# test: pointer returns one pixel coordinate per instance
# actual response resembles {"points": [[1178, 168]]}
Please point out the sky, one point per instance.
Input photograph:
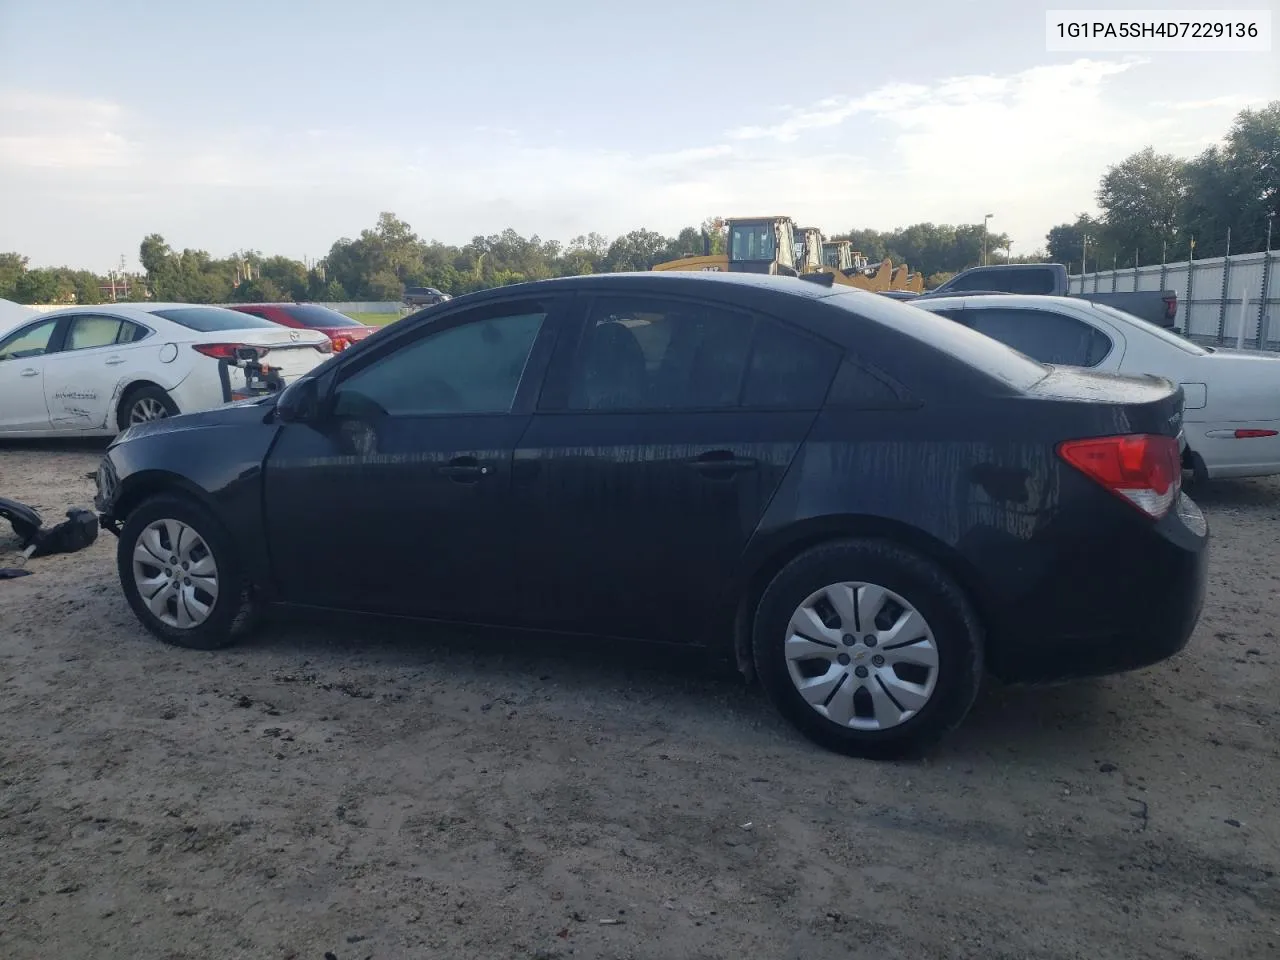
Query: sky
{"points": [[283, 126]]}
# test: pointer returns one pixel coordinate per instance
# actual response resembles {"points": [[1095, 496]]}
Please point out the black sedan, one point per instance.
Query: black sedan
{"points": [[860, 504]]}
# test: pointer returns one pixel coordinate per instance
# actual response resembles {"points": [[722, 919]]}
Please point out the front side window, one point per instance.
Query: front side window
{"points": [[32, 341], [471, 368], [1041, 335]]}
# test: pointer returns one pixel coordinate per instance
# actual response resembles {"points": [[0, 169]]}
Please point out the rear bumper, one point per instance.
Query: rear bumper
{"points": [[1117, 615]]}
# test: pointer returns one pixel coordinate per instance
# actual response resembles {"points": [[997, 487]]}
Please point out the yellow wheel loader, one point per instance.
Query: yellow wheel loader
{"points": [[755, 245], [774, 245]]}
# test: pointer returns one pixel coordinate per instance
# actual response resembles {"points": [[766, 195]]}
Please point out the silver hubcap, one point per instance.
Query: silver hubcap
{"points": [[175, 574], [146, 409], [861, 656]]}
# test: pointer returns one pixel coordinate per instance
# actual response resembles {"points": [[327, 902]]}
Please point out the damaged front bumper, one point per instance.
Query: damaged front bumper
{"points": [[104, 500]]}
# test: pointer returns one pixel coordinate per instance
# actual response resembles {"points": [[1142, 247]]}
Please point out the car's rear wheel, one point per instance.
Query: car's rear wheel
{"points": [[181, 575], [868, 648], [142, 405]]}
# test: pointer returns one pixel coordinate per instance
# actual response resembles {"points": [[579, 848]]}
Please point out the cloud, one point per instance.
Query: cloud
{"points": [[1235, 101], [1028, 146], [40, 130]]}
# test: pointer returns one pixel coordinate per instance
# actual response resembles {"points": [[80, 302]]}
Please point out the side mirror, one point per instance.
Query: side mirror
{"points": [[299, 402]]}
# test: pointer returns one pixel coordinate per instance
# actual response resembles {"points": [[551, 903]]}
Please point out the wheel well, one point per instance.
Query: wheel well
{"points": [[150, 485], [133, 388], [845, 528]]}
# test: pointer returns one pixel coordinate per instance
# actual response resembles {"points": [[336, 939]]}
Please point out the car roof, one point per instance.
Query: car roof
{"points": [[731, 287], [129, 311]]}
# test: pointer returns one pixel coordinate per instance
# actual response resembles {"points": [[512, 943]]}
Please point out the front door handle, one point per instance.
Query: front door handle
{"points": [[722, 463], [29, 373], [114, 360], [464, 469]]}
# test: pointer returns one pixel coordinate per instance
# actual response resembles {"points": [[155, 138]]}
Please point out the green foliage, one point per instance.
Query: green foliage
{"points": [[12, 266], [1153, 205]]}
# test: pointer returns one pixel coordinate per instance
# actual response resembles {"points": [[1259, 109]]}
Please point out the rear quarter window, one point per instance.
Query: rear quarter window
{"points": [[978, 352]]}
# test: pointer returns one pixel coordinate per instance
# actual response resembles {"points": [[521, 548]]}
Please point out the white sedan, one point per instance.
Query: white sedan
{"points": [[94, 371], [1232, 411]]}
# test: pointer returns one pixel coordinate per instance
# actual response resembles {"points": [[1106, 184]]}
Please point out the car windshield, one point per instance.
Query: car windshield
{"points": [[315, 316], [968, 346], [212, 319], [1160, 333]]}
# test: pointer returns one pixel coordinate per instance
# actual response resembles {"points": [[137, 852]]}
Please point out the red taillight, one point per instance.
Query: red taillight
{"points": [[227, 351], [1254, 434], [1144, 470], [1171, 307]]}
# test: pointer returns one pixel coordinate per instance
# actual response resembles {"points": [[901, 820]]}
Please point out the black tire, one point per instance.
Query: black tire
{"points": [[233, 613], [135, 395], [956, 631]]}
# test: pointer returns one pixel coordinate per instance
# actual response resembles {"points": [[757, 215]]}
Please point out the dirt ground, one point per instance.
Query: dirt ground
{"points": [[351, 791]]}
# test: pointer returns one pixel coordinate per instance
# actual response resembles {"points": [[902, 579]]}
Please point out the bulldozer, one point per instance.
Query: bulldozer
{"points": [[775, 245]]}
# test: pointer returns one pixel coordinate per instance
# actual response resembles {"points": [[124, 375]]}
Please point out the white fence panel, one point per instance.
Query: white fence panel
{"points": [[1210, 293]]}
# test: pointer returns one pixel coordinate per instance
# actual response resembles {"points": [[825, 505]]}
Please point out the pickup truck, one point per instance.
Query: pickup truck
{"points": [[1050, 279]]}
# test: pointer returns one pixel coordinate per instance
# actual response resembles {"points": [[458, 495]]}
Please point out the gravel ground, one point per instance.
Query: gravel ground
{"points": [[353, 791]]}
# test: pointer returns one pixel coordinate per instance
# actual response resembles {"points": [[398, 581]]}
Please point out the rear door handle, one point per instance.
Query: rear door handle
{"points": [[722, 463], [29, 373], [464, 470]]}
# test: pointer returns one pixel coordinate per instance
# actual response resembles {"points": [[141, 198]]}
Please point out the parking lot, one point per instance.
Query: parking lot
{"points": [[348, 790]]}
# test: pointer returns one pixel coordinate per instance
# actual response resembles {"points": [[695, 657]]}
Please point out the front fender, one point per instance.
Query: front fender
{"points": [[219, 465]]}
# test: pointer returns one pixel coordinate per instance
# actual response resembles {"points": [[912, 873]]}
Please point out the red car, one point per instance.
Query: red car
{"points": [[338, 327]]}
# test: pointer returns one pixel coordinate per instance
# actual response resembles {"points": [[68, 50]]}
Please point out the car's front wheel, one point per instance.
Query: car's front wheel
{"points": [[868, 648], [181, 575]]}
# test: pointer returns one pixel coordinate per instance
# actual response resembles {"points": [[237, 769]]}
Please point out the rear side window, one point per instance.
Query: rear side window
{"points": [[1042, 335], [86, 333], [788, 370], [649, 353], [212, 319], [980, 353]]}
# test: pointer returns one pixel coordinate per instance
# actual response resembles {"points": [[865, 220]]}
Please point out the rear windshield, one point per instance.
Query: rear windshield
{"points": [[968, 346], [1168, 336], [212, 319], [315, 316]]}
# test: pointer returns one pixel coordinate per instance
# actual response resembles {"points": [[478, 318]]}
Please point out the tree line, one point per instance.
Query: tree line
{"points": [[1158, 208], [1152, 206]]}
